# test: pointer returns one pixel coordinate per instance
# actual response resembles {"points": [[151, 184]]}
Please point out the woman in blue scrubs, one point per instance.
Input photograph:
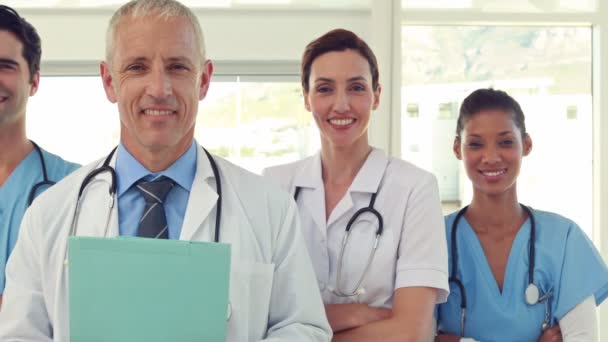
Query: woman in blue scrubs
{"points": [[516, 273]]}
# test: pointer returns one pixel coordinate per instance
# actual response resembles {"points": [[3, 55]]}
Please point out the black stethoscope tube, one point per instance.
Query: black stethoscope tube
{"points": [[369, 209], [454, 255], [112, 190], [531, 249], [45, 177]]}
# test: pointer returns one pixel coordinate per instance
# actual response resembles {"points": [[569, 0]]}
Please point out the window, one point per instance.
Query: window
{"points": [[257, 124], [254, 124], [337, 4], [413, 111], [71, 116], [504, 6], [546, 69]]}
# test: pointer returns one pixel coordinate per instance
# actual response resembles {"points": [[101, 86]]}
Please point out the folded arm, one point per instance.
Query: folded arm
{"points": [[347, 316], [580, 323], [411, 319]]}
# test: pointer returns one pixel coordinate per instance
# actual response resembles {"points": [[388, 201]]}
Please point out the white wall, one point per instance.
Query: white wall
{"points": [[231, 35], [239, 41]]}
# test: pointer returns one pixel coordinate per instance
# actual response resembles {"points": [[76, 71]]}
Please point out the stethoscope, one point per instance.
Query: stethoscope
{"points": [[532, 292], [112, 192], [45, 177], [369, 209]]}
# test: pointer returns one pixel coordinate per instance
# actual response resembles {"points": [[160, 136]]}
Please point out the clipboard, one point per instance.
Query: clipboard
{"points": [[137, 289]]}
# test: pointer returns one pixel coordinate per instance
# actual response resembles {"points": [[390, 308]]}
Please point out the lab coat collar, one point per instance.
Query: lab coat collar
{"points": [[94, 203], [309, 175], [369, 177], [367, 180], [203, 198]]}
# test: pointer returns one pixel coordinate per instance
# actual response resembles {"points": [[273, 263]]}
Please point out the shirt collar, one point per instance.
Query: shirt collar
{"points": [[367, 180], [129, 170]]}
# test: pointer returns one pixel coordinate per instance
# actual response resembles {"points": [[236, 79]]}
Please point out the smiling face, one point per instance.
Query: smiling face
{"points": [[341, 97], [157, 77], [15, 85], [492, 147]]}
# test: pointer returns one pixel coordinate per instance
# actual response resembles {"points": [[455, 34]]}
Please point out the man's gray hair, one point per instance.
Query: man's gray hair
{"points": [[163, 8]]}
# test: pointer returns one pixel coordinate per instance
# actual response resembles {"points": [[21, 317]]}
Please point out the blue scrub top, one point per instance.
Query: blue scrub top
{"points": [[14, 195], [567, 263]]}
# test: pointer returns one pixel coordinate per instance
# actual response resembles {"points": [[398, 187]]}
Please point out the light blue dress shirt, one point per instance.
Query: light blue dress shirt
{"points": [[130, 201], [567, 264], [14, 195]]}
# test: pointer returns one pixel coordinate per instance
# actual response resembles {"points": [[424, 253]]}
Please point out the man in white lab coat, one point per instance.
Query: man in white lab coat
{"points": [[156, 71]]}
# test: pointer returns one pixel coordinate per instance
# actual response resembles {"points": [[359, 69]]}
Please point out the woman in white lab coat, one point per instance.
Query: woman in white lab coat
{"points": [[369, 294]]}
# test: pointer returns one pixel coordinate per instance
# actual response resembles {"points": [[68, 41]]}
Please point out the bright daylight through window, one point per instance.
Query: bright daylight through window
{"points": [[253, 124], [529, 6], [547, 69]]}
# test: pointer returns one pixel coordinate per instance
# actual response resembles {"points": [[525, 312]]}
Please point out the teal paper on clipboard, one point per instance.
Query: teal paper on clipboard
{"points": [[136, 289]]}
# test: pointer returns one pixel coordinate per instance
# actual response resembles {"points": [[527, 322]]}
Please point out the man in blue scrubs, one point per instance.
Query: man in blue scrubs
{"points": [[21, 165]]}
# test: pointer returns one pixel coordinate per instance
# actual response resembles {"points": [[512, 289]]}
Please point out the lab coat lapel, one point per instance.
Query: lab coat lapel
{"points": [[367, 180], [345, 204], [309, 176], [95, 204], [316, 205], [372, 172], [199, 221]]}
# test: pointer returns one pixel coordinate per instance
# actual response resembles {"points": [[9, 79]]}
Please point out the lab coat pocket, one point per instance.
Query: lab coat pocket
{"points": [[250, 290]]}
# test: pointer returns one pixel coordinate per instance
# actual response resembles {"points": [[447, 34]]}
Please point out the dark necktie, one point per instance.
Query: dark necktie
{"points": [[153, 223]]}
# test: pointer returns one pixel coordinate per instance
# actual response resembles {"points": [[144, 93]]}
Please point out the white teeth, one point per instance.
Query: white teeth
{"points": [[155, 112], [494, 173], [341, 122]]}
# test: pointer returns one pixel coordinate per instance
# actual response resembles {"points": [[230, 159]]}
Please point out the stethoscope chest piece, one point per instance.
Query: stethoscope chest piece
{"points": [[532, 294]]}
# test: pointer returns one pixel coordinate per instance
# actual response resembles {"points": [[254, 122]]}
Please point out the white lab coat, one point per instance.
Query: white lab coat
{"points": [[272, 284], [412, 249]]}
